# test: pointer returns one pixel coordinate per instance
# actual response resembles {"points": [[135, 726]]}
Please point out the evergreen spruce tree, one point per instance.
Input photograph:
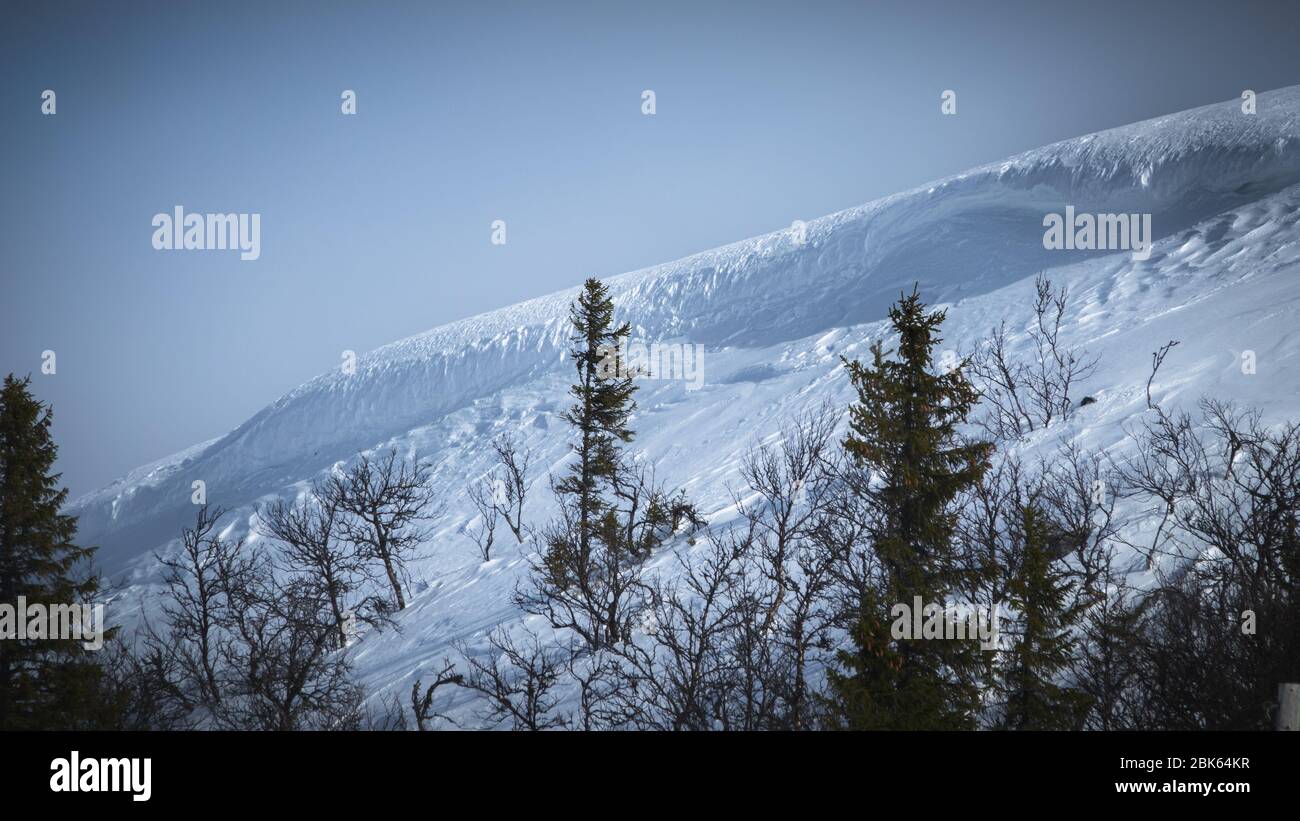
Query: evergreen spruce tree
{"points": [[44, 683], [1043, 647], [600, 414], [587, 573], [903, 431]]}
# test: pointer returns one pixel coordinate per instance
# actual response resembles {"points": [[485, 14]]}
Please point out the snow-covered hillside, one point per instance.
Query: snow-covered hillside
{"points": [[775, 315]]}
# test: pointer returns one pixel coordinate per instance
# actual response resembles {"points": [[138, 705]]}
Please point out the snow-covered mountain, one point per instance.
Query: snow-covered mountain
{"points": [[775, 313]]}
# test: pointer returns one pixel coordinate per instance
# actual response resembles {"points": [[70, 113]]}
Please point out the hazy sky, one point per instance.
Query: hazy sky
{"points": [[377, 226]]}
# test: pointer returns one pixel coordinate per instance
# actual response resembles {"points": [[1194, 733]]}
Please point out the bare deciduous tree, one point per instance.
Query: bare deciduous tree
{"points": [[501, 495], [284, 671], [1222, 629], [422, 699], [483, 498], [1026, 396], [793, 481], [1158, 359], [513, 472], [518, 680], [683, 674], [242, 648], [389, 508], [309, 533], [196, 610]]}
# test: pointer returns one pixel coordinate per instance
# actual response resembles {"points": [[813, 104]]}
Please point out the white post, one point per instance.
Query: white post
{"points": [[1288, 707]]}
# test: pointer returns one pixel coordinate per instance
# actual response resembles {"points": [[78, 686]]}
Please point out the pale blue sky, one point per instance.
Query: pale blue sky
{"points": [[376, 226]]}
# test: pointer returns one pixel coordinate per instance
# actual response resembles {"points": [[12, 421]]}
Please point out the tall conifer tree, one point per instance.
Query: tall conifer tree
{"points": [[904, 433], [1042, 649], [586, 578], [44, 683], [604, 403]]}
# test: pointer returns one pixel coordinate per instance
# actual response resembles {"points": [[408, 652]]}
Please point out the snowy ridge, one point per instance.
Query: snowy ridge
{"points": [[1224, 191]]}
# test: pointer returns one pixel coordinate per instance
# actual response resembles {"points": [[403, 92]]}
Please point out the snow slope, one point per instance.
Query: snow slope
{"points": [[775, 315]]}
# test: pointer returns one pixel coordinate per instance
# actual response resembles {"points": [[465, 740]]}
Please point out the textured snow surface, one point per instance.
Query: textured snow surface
{"points": [[775, 316]]}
